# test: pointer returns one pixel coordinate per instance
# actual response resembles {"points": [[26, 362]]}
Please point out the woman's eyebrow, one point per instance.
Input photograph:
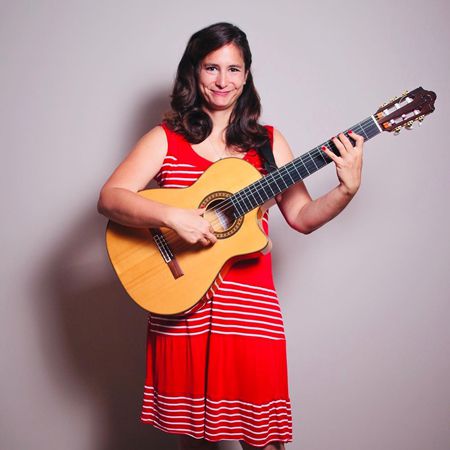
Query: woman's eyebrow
{"points": [[238, 66]]}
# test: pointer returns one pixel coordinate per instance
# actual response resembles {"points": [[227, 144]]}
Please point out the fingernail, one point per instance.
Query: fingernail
{"points": [[323, 147], [350, 131]]}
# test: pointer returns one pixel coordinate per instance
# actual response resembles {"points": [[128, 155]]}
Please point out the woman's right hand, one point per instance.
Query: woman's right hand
{"points": [[191, 226]]}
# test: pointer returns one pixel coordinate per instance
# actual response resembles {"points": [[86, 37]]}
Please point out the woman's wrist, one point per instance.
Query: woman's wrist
{"points": [[346, 191]]}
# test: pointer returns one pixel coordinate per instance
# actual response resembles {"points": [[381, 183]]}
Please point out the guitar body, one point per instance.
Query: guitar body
{"points": [[173, 287]]}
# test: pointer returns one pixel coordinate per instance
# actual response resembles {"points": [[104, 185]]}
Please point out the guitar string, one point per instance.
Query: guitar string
{"points": [[273, 178]]}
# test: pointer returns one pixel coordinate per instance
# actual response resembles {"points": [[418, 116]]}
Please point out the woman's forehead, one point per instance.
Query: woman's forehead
{"points": [[228, 54]]}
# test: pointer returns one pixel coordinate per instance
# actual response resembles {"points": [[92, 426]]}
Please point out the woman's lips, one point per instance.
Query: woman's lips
{"points": [[220, 93]]}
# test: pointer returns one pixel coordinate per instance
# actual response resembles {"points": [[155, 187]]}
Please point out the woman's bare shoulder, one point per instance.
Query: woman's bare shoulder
{"points": [[281, 150]]}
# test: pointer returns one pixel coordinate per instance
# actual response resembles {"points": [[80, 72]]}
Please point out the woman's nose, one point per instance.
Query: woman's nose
{"points": [[221, 80]]}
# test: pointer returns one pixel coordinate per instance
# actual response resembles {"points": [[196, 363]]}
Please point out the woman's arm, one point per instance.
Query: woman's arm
{"points": [[300, 211], [120, 202]]}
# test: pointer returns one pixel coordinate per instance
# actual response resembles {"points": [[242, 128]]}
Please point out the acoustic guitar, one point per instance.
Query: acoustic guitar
{"points": [[165, 275]]}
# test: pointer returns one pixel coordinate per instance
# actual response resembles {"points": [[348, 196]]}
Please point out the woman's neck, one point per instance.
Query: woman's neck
{"points": [[220, 120]]}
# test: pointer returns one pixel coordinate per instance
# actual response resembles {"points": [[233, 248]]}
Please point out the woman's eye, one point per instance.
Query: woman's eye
{"points": [[210, 68], [234, 69]]}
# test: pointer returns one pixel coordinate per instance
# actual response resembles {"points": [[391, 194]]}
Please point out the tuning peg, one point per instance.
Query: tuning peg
{"points": [[409, 125], [420, 120], [397, 131]]}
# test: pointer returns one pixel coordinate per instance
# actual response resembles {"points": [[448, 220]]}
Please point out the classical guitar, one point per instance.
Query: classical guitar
{"points": [[166, 275]]}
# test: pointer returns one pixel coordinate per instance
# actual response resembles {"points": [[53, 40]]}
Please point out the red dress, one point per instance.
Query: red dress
{"points": [[220, 372]]}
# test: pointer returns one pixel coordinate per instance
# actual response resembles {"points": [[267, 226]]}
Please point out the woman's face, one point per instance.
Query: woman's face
{"points": [[221, 78]]}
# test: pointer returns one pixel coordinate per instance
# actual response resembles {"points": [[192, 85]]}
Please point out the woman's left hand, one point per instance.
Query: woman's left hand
{"points": [[349, 163]]}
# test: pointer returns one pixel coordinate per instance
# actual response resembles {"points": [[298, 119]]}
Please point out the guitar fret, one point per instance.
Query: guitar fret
{"points": [[312, 159]]}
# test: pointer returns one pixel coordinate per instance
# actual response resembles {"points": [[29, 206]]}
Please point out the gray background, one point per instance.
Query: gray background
{"points": [[365, 298]]}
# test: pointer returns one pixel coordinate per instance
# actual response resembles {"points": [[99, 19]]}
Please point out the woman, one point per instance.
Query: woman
{"points": [[219, 372]]}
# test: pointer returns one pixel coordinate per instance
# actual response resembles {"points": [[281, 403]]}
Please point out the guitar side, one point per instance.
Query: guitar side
{"points": [[140, 266]]}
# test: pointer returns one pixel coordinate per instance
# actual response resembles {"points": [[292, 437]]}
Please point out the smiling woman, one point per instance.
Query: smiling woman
{"points": [[222, 77], [219, 371]]}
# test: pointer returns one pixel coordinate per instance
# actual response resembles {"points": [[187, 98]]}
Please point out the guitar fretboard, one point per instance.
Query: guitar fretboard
{"points": [[295, 171]]}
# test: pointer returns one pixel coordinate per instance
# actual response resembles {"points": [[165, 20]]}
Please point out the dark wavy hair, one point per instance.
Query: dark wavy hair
{"points": [[187, 116]]}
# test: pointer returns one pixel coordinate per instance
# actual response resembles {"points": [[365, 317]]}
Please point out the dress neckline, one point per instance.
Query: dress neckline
{"points": [[212, 162]]}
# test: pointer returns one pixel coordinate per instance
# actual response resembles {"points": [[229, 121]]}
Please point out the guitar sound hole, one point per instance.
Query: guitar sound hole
{"points": [[220, 213]]}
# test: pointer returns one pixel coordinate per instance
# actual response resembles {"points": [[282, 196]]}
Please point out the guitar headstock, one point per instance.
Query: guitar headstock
{"points": [[403, 111]]}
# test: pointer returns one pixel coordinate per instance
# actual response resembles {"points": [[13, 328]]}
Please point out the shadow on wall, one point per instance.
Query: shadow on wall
{"points": [[96, 341]]}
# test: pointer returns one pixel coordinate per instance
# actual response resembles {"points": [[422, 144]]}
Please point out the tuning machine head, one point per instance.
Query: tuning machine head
{"points": [[409, 125]]}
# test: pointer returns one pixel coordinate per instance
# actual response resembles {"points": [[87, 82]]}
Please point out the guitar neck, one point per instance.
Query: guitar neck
{"points": [[266, 188]]}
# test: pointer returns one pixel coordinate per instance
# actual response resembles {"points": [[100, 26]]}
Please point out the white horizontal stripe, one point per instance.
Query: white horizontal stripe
{"points": [[160, 402], [180, 397], [176, 164], [264, 440], [199, 314], [246, 428], [211, 424], [208, 400], [287, 435], [279, 424], [180, 179], [174, 186], [247, 409], [240, 305], [170, 157], [214, 322], [246, 433], [243, 313], [248, 334], [181, 334], [248, 285], [233, 333], [187, 431], [181, 326], [183, 171], [248, 292], [250, 321], [218, 402], [250, 300], [177, 404], [158, 413], [208, 417], [206, 315], [231, 311], [245, 328], [179, 410], [239, 414], [188, 424], [253, 405]]}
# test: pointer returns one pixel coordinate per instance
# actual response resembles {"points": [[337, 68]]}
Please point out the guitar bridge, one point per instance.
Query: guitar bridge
{"points": [[166, 252]]}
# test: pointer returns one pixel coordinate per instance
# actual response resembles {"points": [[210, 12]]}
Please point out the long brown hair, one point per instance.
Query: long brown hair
{"points": [[187, 116]]}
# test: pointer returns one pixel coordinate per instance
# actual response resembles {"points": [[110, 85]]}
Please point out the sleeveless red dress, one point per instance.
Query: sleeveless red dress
{"points": [[220, 372]]}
